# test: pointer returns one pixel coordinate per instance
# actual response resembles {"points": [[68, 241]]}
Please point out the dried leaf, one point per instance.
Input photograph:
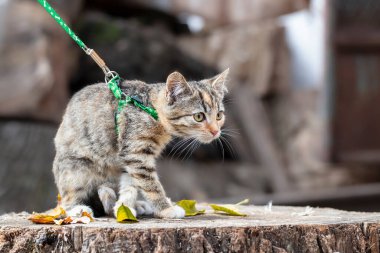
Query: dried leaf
{"points": [[64, 221], [189, 207], [41, 218], [57, 212], [58, 216], [83, 219], [67, 220], [58, 222], [87, 215], [227, 209], [124, 215], [49, 217]]}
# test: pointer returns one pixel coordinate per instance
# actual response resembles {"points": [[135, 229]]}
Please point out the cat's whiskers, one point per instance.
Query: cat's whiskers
{"points": [[230, 131], [194, 145], [221, 145], [228, 145], [187, 149], [178, 146], [179, 142], [227, 101], [187, 146], [228, 135]]}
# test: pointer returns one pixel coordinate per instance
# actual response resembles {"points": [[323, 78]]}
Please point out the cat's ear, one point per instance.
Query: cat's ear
{"points": [[219, 82], [176, 86]]}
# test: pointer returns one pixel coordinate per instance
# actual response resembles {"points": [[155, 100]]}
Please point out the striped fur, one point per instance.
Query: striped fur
{"points": [[93, 163]]}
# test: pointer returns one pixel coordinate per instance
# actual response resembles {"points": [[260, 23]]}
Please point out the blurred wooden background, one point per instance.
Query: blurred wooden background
{"points": [[293, 144]]}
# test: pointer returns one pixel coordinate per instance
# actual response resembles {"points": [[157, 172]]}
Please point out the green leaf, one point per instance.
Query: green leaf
{"points": [[189, 207], [124, 215], [227, 209]]}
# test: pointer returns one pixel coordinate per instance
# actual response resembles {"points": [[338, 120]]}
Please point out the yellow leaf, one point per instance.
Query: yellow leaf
{"points": [[125, 215], [243, 202], [227, 209], [189, 207]]}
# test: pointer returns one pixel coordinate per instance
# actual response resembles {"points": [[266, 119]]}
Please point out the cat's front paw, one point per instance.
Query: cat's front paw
{"points": [[173, 212], [118, 204], [108, 198], [143, 208]]}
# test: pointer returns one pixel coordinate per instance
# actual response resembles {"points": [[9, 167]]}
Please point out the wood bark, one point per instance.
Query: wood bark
{"points": [[279, 229]]}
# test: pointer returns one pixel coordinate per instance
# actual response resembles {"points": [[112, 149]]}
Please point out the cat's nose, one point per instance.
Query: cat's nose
{"points": [[214, 132]]}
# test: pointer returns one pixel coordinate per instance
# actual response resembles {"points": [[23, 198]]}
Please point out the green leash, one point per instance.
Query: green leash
{"points": [[111, 77]]}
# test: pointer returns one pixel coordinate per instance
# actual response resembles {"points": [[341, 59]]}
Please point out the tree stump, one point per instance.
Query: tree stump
{"points": [[279, 229]]}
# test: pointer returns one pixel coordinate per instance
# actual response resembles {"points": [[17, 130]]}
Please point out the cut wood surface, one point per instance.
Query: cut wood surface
{"points": [[276, 229]]}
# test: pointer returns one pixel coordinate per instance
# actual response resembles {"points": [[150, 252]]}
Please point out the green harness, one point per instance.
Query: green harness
{"points": [[111, 77], [113, 84]]}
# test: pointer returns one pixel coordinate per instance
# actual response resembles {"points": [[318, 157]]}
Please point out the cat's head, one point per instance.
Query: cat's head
{"points": [[195, 109]]}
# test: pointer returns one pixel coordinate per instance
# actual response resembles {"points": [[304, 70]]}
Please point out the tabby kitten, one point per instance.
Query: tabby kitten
{"points": [[97, 170]]}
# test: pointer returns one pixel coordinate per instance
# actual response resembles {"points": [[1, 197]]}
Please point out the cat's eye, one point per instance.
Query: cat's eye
{"points": [[199, 117], [219, 115]]}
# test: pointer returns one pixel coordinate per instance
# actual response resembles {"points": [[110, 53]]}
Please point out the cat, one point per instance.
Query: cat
{"points": [[97, 169]]}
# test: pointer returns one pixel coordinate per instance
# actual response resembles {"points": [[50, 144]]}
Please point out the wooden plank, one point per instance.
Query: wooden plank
{"points": [[354, 88], [257, 131], [357, 92], [361, 156], [348, 38]]}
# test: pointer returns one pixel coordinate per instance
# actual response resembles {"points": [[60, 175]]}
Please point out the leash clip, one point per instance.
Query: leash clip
{"points": [[109, 75]]}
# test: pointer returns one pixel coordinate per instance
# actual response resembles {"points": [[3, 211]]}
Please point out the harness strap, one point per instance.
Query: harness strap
{"points": [[111, 77]]}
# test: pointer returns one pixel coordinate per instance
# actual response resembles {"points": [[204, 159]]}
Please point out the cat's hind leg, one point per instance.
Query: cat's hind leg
{"points": [[76, 203], [77, 182]]}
